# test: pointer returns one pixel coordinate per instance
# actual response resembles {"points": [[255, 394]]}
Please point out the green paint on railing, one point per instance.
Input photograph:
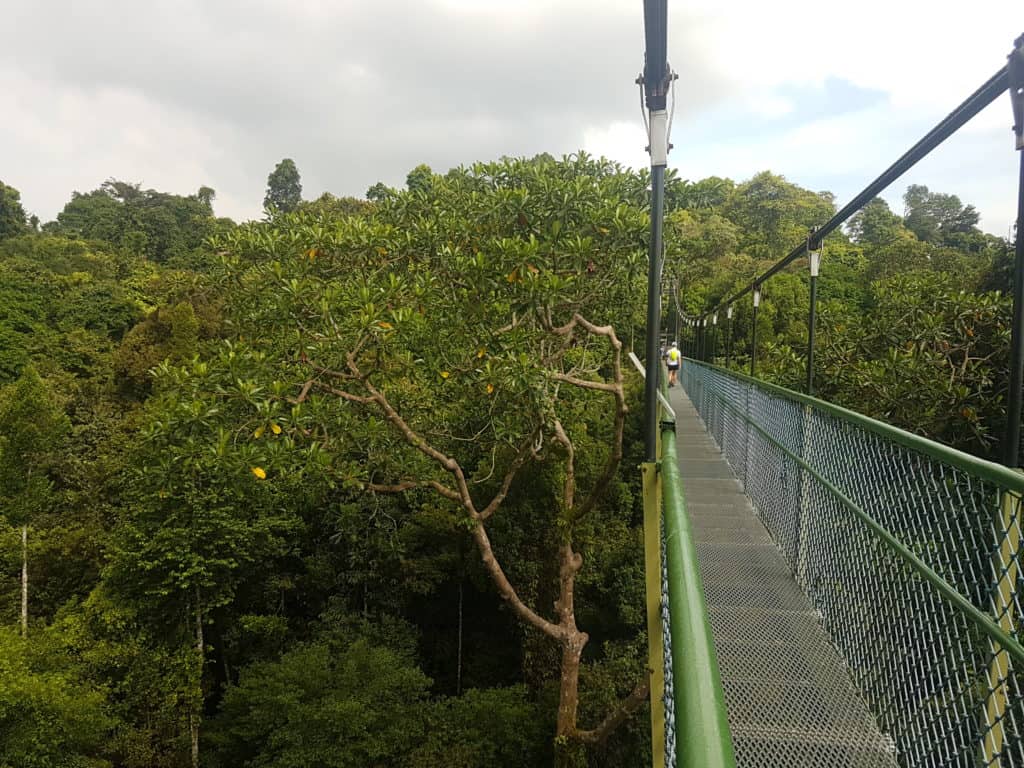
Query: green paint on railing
{"points": [[986, 470], [702, 727]]}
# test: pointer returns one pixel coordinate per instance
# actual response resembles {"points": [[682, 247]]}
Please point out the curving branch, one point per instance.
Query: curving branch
{"points": [[408, 485], [508, 592], [601, 386], [569, 487], [616, 388], [524, 452], [620, 714], [461, 495]]}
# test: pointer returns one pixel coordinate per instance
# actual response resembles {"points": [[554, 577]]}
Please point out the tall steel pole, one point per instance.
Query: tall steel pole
{"points": [[814, 262], [728, 337], [714, 337], [1011, 447], [675, 313], [753, 332], [1011, 441], [655, 79]]}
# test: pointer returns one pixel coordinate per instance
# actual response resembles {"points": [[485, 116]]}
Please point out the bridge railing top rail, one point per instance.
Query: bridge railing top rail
{"points": [[988, 470]]}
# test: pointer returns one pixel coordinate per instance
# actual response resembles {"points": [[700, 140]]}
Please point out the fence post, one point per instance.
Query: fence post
{"points": [[746, 438], [805, 500], [1006, 565]]}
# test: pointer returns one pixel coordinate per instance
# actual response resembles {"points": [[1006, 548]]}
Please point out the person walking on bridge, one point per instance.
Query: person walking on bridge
{"points": [[673, 358]]}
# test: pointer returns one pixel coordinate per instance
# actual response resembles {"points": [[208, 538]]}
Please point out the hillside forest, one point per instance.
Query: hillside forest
{"points": [[356, 484]]}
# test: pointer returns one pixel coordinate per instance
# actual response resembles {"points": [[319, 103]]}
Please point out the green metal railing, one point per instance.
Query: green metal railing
{"points": [[688, 704], [909, 550]]}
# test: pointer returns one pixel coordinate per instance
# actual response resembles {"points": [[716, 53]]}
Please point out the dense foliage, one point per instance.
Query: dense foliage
{"points": [[914, 313], [355, 485]]}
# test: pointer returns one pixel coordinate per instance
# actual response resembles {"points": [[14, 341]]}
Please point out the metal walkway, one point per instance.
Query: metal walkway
{"points": [[789, 698]]}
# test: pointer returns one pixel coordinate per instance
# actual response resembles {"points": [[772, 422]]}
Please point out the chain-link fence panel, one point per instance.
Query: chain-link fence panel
{"points": [[669, 696], [909, 550]]}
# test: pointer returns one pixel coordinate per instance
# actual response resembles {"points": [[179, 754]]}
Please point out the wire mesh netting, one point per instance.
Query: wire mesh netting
{"points": [[945, 692], [669, 693]]}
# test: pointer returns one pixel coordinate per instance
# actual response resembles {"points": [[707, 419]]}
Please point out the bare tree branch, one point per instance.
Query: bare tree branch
{"points": [[507, 591], [620, 714], [407, 485], [521, 456], [601, 386], [303, 394], [462, 495], [569, 487], [615, 387], [362, 400]]}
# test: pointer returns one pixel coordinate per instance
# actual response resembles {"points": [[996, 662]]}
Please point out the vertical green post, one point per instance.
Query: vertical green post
{"points": [[1006, 565], [804, 513]]}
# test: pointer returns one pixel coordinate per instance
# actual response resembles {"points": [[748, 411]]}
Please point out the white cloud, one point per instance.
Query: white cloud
{"points": [[179, 93]]}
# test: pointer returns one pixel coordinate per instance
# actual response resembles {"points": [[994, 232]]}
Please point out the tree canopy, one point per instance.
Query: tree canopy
{"points": [[355, 484], [284, 187]]}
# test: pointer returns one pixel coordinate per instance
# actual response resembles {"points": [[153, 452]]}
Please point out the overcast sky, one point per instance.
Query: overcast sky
{"points": [[186, 93]]}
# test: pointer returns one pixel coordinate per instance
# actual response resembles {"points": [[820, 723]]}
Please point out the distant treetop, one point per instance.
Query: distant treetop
{"points": [[284, 188]]}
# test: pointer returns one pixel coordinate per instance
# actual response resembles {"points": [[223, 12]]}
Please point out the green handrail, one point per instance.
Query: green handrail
{"points": [[987, 470], [702, 727]]}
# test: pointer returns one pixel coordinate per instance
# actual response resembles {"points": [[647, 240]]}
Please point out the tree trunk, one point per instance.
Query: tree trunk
{"points": [[194, 718], [569, 687], [569, 747], [24, 581]]}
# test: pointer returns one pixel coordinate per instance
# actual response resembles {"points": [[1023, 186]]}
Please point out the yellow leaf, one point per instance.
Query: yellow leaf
{"points": [[312, 253], [445, 374], [259, 472], [275, 429], [382, 251], [490, 389], [258, 433], [481, 352], [385, 326]]}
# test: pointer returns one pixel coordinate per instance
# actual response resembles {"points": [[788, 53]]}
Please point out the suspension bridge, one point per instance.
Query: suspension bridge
{"points": [[824, 589]]}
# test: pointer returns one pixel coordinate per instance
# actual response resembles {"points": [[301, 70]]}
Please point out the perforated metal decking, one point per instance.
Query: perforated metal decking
{"points": [[790, 700]]}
